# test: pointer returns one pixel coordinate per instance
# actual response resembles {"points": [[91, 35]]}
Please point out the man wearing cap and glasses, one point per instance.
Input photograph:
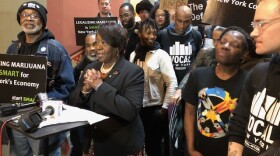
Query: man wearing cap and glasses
{"points": [[254, 126], [36, 40]]}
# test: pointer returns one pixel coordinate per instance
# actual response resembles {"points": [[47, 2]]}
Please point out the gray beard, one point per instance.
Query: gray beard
{"points": [[34, 31], [91, 58]]}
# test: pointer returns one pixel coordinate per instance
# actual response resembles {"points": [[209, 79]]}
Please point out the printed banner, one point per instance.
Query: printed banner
{"points": [[172, 4], [84, 26], [197, 6], [230, 13], [22, 77]]}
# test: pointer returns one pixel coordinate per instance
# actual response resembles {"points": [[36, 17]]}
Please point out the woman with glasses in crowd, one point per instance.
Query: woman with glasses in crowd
{"points": [[161, 17]]}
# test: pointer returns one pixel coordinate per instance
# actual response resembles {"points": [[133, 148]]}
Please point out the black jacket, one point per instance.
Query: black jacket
{"points": [[255, 121], [120, 98]]}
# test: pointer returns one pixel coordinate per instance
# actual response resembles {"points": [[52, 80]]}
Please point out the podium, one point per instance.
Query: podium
{"points": [[44, 132]]}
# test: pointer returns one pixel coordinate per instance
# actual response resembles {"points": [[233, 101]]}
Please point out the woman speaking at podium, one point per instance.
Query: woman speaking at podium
{"points": [[112, 87]]}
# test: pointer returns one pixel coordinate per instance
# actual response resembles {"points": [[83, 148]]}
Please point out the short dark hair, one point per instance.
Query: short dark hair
{"points": [[114, 34], [130, 6], [144, 5], [249, 45], [148, 23]]}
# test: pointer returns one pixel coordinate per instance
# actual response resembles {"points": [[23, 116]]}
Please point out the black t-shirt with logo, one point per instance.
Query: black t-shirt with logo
{"points": [[181, 48], [215, 100]]}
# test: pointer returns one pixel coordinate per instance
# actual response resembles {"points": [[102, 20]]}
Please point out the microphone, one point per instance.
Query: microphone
{"points": [[30, 121], [49, 110]]}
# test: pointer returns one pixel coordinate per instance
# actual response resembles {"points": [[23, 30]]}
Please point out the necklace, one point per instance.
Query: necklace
{"points": [[106, 71]]}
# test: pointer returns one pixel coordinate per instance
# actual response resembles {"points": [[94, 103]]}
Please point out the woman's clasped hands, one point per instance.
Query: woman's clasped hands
{"points": [[92, 80]]}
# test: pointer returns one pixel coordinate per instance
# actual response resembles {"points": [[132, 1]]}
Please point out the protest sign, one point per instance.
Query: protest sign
{"points": [[230, 13], [22, 77], [84, 26], [172, 4], [197, 6]]}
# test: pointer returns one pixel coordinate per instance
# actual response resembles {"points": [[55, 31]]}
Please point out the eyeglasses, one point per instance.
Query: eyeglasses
{"points": [[160, 15], [32, 16], [260, 24], [234, 45]]}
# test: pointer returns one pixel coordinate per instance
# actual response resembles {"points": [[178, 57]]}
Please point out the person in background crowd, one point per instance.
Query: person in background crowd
{"points": [[216, 34], [36, 40], [210, 100], [104, 7], [254, 128], [112, 87], [77, 135], [181, 41], [127, 18], [143, 9], [89, 56], [161, 17], [209, 31], [159, 86], [205, 58], [212, 35]]}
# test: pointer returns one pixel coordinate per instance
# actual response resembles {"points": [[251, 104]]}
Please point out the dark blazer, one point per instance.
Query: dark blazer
{"points": [[120, 98]]}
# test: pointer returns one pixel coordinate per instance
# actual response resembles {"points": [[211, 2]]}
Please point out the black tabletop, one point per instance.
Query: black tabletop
{"points": [[44, 131]]}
